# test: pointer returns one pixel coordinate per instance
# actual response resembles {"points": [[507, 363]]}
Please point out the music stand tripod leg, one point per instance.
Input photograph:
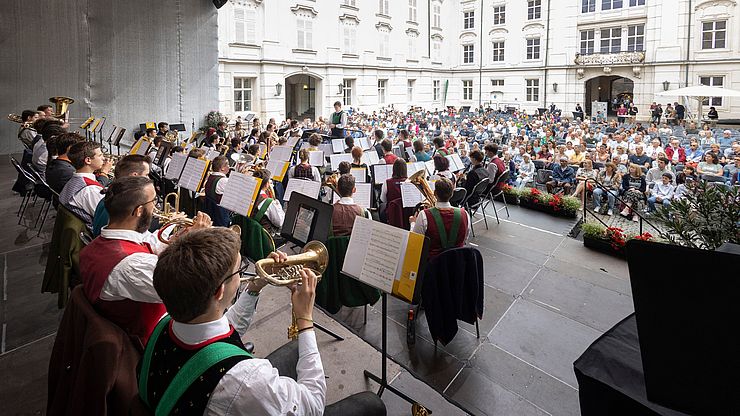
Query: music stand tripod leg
{"points": [[327, 331]]}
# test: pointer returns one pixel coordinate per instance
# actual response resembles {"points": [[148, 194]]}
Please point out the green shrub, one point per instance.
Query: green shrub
{"points": [[593, 230], [570, 204]]}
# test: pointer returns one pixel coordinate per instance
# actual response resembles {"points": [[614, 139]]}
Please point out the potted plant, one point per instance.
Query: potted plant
{"points": [[511, 194], [609, 240]]}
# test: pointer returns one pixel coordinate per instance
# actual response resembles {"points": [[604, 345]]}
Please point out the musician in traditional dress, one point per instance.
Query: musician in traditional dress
{"points": [[338, 121], [117, 267], [81, 194], [446, 226], [346, 210], [129, 165], [267, 211], [162, 129], [27, 133], [477, 173], [60, 168], [214, 189], [304, 170], [197, 277], [391, 188]]}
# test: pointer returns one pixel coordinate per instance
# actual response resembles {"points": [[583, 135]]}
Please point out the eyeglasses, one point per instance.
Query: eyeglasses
{"points": [[133, 213], [242, 271]]}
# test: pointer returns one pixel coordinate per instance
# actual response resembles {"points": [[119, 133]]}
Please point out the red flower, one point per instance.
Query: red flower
{"points": [[534, 192], [616, 237], [644, 237], [555, 202]]}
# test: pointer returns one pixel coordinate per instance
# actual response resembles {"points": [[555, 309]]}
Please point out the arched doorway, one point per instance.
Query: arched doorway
{"points": [[302, 96], [614, 90]]}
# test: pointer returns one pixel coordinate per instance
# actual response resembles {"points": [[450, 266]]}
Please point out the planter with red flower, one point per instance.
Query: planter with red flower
{"points": [[559, 205], [609, 240]]}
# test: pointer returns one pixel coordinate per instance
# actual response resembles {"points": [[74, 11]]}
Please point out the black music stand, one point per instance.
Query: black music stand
{"points": [[318, 229], [118, 138]]}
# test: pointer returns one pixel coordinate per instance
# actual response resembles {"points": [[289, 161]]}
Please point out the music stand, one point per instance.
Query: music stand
{"points": [[320, 214], [179, 127]]}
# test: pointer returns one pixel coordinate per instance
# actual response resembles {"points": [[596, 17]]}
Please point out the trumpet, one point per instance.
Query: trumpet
{"points": [[313, 257]]}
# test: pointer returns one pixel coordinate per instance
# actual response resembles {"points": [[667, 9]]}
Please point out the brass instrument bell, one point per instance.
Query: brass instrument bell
{"points": [[314, 257], [61, 104], [420, 181]]}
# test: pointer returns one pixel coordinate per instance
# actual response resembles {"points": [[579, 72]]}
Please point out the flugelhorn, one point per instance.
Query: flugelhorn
{"points": [[332, 181], [170, 218], [420, 181], [313, 257]]}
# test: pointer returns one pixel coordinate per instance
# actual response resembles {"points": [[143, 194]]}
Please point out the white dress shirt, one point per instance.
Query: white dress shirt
{"points": [[40, 155], [274, 212], [221, 184], [89, 197], [420, 226], [133, 277], [348, 200]]}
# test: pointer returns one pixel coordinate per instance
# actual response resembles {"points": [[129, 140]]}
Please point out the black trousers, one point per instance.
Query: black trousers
{"points": [[285, 359]]}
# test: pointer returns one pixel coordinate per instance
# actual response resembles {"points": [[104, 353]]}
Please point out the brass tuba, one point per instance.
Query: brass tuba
{"points": [[331, 181], [15, 118], [314, 257], [420, 181], [61, 105]]}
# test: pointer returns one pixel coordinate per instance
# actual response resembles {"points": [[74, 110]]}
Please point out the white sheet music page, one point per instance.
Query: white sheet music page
{"points": [[370, 157], [292, 141], [337, 145], [175, 167], [339, 158], [363, 142], [302, 186], [316, 158], [281, 153], [363, 194], [360, 174], [410, 195], [384, 247], [240, 193], [382, 173], [430, 166], [456, 163], [212, 154], [193, 173], [276, 168], [357, 248], [302, 226], [326, 148]]}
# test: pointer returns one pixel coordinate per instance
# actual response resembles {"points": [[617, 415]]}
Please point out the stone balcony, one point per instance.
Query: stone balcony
{"points": [[607, 59]]}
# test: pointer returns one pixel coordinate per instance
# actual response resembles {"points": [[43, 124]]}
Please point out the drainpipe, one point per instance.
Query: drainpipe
{"points": [[688, 43], [429, 29], [480, 67], [547, 49]]}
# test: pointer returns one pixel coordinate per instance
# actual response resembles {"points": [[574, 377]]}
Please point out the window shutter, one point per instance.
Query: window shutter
{"points": [[251, 26], [239, 32]]}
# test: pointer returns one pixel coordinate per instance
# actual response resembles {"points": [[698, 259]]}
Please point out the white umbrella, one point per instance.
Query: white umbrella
{"points": [[700, 93]]}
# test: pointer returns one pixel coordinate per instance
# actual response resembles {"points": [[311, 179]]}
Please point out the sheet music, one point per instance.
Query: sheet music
{"points": [[456, 164], [277, 169], [193, 173], [281, 153], [410, 151], [240, 193], [304, 145], [363, 194], [263, 150], [363, 142], [141, 147], [379, 246], [337, 145], [212, 154], [382, 173], [413, 167], [430, 166], [339, 158], [316, 158], [326, 148], [177, 163], [370, 157], [302, 226], [410, 195], [302, 186], [360, 175], [292, 141]]}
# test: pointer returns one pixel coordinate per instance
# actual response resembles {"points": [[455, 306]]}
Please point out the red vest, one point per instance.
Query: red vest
{"points": [[500, 169], [447, 214], [97, 261], [390, 158], [343, 218], [393, 188]]}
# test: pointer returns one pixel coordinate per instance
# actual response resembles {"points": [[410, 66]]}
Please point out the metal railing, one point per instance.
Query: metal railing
{"points": [[635, 210]]}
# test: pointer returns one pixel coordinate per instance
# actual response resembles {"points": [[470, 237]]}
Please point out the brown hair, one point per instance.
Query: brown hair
{"points": [[345, 185], [399, 169], [218, 163], [197, 153], [124, 195], [443, 189], [130, 164], [191, 269], [357, 153], [314, 139], [79, 152]]}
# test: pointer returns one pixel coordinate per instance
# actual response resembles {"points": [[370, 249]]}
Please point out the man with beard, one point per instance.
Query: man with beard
{"points": [[117, 267]]}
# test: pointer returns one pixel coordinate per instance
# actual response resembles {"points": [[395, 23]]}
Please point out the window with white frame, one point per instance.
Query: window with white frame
{"points": [[410, 90], [534, 9], [533, 90], [384, 45], [469, 20], [467, 89], [499, 15], [712, 81], [350, 38], [611, 4], [436, 90], [637, 3], [436, 15], [588, 6], [412, 46], [436, 50], [713, 34], [412, 10], [245, 21], [497, 82], [468, 54], [347, 91], [383, 7], [587, 42], [352, 3], [611, 40], [498, 51], [533, 48], [305, 33], [636, 38], [381, 90], [242, 94]]}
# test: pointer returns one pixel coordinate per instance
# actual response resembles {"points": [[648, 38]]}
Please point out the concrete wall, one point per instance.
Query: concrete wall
{"points": [[131, 61]]}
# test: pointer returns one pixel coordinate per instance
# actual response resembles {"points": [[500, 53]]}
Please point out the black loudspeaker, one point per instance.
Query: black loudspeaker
{"points": [[219, 3], [687, 321]]}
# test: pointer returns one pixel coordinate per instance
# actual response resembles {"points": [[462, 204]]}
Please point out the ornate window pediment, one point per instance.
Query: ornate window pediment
{"points": [[349, 19], [412, 32], [498, 31], [533, 27], [437, 36], [715, 9], [383, 27], [304, 11], [610, 58]]}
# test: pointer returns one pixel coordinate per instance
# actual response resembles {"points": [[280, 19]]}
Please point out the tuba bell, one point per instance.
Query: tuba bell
{"points": [[332, 181], [15, 118], [420, 181], [61, 105]]}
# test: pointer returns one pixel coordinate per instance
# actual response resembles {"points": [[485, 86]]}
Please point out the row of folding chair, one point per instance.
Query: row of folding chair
{"points": [[36, 187]]}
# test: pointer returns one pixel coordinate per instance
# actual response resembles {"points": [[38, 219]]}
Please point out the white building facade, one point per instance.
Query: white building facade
{"points": [[295, 58]]}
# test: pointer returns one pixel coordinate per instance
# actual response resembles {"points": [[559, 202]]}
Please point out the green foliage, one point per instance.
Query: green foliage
{"points": [[213, 118], [593, 230], [707, 217], [570, 204]]}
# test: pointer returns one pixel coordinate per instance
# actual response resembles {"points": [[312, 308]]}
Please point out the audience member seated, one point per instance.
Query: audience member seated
{"points": [[526, 172], [662, 193], [655, 175], [419, 153], [563, 176], [694, 155], [584, 177], [633, 191], [446, 226], [639, 158], [346, 210], [611, 181], [710, 170], [81, 194]]}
